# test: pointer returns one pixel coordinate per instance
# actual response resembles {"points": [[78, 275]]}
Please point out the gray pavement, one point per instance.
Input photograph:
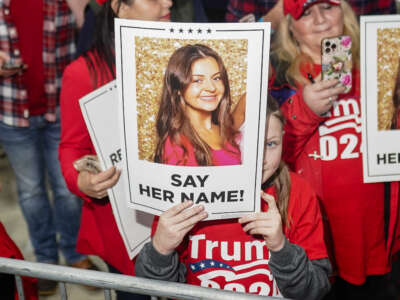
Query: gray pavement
{"points": [[14, 222]]}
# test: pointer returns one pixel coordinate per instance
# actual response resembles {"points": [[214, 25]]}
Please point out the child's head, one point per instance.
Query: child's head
{"points": [[273, 139], [275, 171]]}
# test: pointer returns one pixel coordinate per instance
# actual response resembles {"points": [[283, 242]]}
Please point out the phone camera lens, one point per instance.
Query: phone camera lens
{"points": [[327, 44], [327, 50], [333, 46]]}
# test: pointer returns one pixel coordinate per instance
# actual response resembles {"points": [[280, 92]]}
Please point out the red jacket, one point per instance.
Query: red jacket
{"points": [[8, 249], [326, 151], [98, 233]]}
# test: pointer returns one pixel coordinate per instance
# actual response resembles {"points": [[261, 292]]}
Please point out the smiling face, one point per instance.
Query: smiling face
{"points": [[148, 10], [318, 21], [272, 147], [206, 88]]}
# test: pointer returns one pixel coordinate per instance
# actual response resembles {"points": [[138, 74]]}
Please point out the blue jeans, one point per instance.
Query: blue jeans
{"points": [[33, 154]]}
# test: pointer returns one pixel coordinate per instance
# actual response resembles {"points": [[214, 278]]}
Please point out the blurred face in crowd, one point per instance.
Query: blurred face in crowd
{"points": [[148, 10], [318, 21]]}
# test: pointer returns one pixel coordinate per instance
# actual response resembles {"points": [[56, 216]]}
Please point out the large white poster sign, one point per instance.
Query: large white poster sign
{"points": [[144, 50], [380, 54], [100, 111]]}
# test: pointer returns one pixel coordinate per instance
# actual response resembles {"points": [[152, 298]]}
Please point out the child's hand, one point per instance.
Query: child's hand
{"points": [[174, 224], [96, 185], [320, 95], [268, 224]]}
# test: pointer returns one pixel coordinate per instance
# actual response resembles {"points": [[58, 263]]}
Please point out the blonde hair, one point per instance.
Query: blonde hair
{"points": [[281, 178], [286, 48]]}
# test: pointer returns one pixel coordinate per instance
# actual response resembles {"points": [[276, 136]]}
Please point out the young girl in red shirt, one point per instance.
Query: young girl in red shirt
{"points": [[278, 251]]}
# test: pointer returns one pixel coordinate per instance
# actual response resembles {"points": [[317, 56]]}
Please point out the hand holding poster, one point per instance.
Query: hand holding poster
{"points": [[380, 45], [179, 87]]}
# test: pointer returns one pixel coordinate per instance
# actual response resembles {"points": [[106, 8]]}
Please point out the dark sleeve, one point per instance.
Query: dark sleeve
{"points": [[237, 9], [151, 264], [298, 277]]}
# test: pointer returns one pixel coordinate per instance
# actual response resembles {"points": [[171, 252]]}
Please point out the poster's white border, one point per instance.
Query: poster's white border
{"points": [[264, 30], [375, 141]]}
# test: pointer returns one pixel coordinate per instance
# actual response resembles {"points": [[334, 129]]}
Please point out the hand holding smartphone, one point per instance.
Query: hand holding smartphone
{"points": [[337, 60]]}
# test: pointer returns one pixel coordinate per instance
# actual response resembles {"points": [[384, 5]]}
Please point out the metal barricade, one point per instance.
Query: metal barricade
{"points": [[108, 282]]}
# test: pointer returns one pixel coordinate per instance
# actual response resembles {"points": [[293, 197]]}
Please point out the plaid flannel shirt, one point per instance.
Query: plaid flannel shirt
{"points": [[237, 9], [373, 7], [58, 52]]}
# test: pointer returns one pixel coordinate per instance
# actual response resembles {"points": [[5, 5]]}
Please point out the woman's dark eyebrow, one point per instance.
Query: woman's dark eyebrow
{"points": [[204, 75]]}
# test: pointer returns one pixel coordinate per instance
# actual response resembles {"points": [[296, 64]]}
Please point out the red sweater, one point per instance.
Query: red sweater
{"points": [[98, 233]]}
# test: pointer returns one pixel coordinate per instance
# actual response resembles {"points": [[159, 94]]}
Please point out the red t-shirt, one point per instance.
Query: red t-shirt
{"points": [[27, 16], [219, 254]]}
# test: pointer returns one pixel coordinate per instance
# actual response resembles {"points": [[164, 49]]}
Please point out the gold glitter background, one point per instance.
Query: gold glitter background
{"points": [[388, 45], [152, 55]]}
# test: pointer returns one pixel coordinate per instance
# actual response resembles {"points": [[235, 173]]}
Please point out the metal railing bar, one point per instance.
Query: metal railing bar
{"points": [[120, 282], [63, 291], [107, 294], [20, 288]]}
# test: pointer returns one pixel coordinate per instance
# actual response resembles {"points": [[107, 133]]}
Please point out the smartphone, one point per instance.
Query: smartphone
{"points": [[337, 60], [10, 65], [88, 163]]}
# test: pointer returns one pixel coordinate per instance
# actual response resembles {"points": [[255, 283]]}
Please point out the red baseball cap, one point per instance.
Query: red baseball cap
{"points": [[295, 8], [101, 2]]}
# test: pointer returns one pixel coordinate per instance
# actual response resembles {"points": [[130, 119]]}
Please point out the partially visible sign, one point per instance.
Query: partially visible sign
{"points": [[100, 111], [380, 48]]}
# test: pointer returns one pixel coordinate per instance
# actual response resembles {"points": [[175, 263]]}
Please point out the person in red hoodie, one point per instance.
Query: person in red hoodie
{"points": [[98, 234], [279, 251], [322, 144]]}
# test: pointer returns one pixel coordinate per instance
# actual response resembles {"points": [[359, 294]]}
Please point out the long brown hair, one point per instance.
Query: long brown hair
{"points": [[172, 121], [281, 178], [396, 99]]}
